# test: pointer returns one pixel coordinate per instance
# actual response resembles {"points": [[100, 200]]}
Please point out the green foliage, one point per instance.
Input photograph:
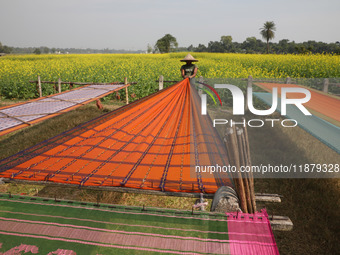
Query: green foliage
{"points": [[37, 51], [267, 32], [5, 49], [145, 69], [166, 44], [149, 49]]}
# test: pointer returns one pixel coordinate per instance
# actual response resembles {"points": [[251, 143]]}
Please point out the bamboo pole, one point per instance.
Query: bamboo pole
{"points": [[166, 81], [251, 176], [59, 85], [160, 83], [39, 86], [126, 91], [16, 118], [245, 178], [325, 85], [83, 83], [234, 156]]}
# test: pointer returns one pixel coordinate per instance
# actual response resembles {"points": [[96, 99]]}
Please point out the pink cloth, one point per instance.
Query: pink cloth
{"points": [[251, 234]]}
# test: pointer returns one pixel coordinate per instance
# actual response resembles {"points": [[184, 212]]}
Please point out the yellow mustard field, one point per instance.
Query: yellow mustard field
{"points": [[17, 71]]}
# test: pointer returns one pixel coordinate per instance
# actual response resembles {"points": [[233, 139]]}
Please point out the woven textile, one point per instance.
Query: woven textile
{"points": [[45, 226], [153, 143], [327, 106], [319, 128], [21, 115], [251, 234]]}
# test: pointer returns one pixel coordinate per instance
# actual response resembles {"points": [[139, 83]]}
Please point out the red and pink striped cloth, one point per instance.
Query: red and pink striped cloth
{"points": [[251, 234]]}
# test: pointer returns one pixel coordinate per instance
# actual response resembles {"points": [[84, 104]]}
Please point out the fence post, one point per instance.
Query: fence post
{"points": [[288, 80], [39, 86], [160, 83], [59, 85], [249, 85], [325, 85], [126, 91], [200, 85]]}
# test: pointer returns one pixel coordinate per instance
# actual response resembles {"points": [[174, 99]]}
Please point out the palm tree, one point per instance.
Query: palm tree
{"points": [[267, 32]]}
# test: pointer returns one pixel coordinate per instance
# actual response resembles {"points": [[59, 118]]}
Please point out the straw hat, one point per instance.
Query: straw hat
{"points": [[189, 58]]}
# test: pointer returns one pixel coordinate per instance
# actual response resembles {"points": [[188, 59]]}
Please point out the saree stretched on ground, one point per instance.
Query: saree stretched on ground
{"points": [[44, 226], [153, 143], [20, 115]]}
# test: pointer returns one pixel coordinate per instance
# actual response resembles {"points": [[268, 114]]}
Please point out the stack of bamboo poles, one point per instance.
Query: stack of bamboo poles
{"points": [[236, 141]]}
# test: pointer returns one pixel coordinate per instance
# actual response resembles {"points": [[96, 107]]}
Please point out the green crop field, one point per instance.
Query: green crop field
{"points": [[17, 71]]}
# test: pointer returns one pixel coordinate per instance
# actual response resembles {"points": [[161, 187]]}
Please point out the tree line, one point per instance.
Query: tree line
{"points": [[225, 45], [254, 45], [47, 50], [169, 43]]}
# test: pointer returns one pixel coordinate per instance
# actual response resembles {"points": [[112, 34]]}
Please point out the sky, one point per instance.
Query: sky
{"points": [[133, 24]]}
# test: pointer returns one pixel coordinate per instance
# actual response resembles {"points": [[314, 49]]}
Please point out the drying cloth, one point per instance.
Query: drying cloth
{"points": [[44, 226], [154, 143], [21, 115], [251, 234], [326, 132], [326, 106]]}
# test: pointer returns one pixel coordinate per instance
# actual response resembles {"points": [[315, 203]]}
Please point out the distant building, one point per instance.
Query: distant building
{"points": [[2, 54]]}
